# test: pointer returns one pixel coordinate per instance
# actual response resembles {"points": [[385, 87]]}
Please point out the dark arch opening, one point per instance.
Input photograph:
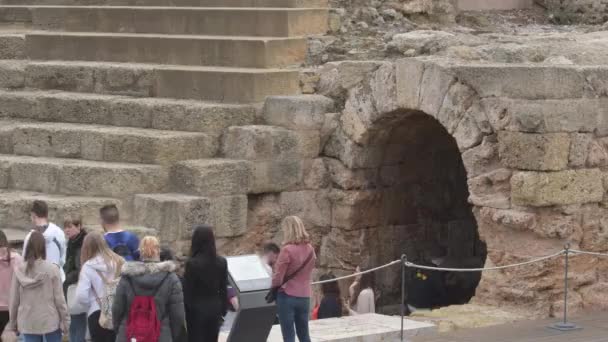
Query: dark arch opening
{"points": [[425, 209]]}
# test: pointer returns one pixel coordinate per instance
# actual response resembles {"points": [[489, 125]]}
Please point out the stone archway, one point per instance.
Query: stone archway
{"points": [[525, 150]]}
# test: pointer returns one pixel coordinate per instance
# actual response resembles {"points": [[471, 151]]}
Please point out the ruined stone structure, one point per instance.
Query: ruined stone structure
{"points": [[192, 115]]}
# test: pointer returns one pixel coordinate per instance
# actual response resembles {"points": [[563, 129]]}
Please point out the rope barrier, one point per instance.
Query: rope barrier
{"points": [[358, 273], [495, 268], [574, 251], [413, 265]]}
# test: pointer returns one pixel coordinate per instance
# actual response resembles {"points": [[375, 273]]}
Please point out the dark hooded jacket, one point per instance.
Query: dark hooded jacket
{"points": [[72, 262], [146, 278]]}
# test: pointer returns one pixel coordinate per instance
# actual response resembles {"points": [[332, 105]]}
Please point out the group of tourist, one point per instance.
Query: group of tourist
{"points": [[111, 287]]}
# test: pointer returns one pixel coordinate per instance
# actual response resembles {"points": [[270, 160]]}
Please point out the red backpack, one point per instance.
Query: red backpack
{"points": [[143, 324]]}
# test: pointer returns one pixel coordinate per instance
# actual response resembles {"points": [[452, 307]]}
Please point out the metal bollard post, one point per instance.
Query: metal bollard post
{"points": [[403, 260], [565, 325]]}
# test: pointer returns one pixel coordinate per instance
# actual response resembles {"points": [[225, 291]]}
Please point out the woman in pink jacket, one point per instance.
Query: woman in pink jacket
{"points": [[293, 276], [9, 260]]}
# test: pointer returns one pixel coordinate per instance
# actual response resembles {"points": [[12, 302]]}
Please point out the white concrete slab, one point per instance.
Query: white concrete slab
{"points": [[362, 328]]}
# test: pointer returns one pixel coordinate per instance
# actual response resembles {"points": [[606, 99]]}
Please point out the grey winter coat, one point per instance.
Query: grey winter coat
{"points": [[146, 278]]}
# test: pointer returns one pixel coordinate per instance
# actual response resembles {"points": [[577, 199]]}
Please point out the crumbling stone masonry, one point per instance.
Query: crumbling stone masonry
{"points": [[531, 142]]}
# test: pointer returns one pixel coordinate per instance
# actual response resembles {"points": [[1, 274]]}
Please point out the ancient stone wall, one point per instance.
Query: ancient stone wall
{"points": [[532, 143]]}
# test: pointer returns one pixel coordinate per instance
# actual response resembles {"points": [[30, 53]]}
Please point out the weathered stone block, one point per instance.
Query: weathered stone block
{"points": [[268, 143], [62, 77], [522, 82], [311, 206], [433, 88], [409, 74], [481, 159], [304, 112], [173, 215], [349, 179], [579, 149], [353, 210], [212, 177], [229, 215], [4, 174], [114, 180], [467, 133], [12, 46], [557, 188], [275, 176], [28, 175], [541, 152], [598, 155], [315, 174], [543, 116], [12, 74], [352, 155], [491, 189]]}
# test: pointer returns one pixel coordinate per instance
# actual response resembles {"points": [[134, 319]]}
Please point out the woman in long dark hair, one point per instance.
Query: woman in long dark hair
{"points": [[331, 303], [205, 287], [362, 295], [9, 260]]}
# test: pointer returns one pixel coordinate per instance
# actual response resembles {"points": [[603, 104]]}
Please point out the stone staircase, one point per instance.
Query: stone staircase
{"points": [[151, 105]]}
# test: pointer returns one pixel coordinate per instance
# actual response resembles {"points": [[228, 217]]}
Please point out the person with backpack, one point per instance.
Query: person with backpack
{"points": [[121, 242], [149, 302], [9, 261], [205, 287], [53, 235], [293, 277], [98, 279], [38, 310]]}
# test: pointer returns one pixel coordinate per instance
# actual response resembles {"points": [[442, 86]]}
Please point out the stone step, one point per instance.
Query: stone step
{"points": [[228, 85], [12, 46], [212, 177], [264, 22], [103, 143], [15, 14], [15, 208], [174, 3], [80, 177], [222, 51], [123, 111], [174, 215]]}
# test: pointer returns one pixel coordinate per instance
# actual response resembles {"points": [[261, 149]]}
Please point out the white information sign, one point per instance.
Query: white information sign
{"points": [[249, 273]]}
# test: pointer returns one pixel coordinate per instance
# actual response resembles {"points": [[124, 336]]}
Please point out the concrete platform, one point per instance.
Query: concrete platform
{"points": [[362, 328]]}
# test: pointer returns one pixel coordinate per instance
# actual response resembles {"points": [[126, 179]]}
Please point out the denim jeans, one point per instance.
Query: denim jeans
{"points": [[50, 337], [293, 311], [78, 327]]}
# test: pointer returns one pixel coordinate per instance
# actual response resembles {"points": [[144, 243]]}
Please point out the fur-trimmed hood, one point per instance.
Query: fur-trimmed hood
{"points": [[137, 268], [147, 276]]}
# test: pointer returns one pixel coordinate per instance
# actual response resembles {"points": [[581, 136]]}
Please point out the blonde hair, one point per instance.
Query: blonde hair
{"points": [[95, 245], [294, 231], [149, 248]]}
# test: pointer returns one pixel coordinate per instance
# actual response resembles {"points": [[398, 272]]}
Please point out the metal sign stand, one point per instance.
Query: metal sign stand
{"points": [[255, 316], [565, 325]]}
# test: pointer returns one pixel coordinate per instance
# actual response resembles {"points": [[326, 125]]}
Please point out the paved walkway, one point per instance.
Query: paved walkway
{"points": [[595, 329]]}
